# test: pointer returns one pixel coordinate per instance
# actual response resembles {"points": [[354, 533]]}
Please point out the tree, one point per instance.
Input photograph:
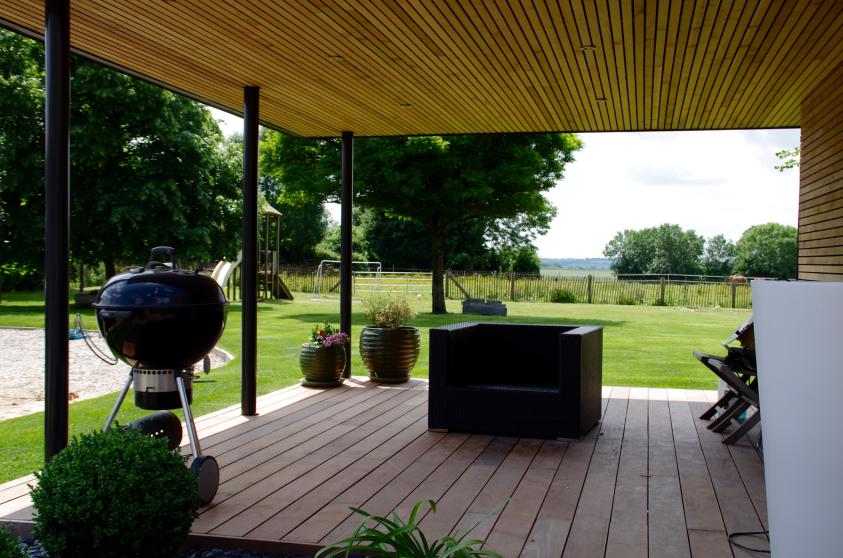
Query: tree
{"points": [[439, 183], [790, 158], [21, 159], [719, 256], [658, 250], [148, 167], [767, 251], [442, 182]]}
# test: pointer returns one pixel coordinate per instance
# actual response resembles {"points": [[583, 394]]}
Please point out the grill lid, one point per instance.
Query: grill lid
{"points": [[159, 285]]}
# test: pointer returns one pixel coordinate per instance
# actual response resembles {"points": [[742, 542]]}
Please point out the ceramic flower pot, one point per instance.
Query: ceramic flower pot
{"points": [[322, 366], [390, 354]]}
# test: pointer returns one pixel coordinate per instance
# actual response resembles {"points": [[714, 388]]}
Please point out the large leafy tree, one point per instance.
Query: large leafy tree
{"points": [[440, 183], [21, 157], [657, 250], [767, 251], [148, 167], [719, 256]]}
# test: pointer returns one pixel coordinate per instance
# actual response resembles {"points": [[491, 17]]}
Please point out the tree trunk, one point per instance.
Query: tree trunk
{"points": [[438, 251], [110, 271]]}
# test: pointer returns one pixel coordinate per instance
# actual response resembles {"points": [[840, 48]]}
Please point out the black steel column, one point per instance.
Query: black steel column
{"points": [[249, 276], [56, 201], [345, 238]]}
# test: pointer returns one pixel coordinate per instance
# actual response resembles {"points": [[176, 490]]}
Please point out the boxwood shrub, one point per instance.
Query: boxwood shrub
{"points": [[115, 494], [9, 545]]}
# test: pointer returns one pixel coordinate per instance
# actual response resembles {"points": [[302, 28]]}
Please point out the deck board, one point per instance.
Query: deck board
{"points": [[650, 480]]}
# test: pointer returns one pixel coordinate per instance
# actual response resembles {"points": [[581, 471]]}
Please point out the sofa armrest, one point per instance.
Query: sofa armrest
{"points": [[445, 341], [581, 369]]}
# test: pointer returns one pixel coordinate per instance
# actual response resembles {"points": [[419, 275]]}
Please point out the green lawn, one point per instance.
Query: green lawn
{"points": [[643, 346]]}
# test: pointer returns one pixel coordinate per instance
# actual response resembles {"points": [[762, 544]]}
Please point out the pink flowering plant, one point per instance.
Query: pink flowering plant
{"points": [[325, 335]]}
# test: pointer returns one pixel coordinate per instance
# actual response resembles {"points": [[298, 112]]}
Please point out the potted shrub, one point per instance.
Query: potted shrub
{"points": [[322, 359], [115, 494], [388, 347]]}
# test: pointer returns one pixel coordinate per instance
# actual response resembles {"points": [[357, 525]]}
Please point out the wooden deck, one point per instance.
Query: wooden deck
{"points": [[651, 480]]}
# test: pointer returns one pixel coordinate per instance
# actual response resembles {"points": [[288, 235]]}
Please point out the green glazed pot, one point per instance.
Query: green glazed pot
{"points": [[322, 365], [390, 354]]}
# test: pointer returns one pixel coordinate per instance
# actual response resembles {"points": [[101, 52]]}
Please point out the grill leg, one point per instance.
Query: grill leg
{"points": [[117, 405], [188, 417]]}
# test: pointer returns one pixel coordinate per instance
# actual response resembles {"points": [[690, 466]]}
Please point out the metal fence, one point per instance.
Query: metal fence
{"points": [[654, 290]]}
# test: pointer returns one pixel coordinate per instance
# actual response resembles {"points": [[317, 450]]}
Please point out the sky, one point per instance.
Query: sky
{"points": [[713, 182]]}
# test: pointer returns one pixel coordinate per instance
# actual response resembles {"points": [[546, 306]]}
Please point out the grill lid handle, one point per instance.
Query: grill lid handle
{"points": [[169, 262]]}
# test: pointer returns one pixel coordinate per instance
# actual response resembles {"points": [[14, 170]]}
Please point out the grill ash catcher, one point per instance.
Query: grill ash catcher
{"points": [[161, 320]]}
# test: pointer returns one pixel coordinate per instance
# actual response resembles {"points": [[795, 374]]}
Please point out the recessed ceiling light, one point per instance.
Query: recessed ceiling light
{"points": [[406, 106], [335, 57], [588, 48], [600, 99]]}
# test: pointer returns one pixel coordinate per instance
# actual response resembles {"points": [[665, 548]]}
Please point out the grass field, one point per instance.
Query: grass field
{"points": [[564, 272], [643, 346]]}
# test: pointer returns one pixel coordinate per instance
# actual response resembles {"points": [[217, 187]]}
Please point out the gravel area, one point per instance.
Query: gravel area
{"points": [[22, 371], [34, 550]]}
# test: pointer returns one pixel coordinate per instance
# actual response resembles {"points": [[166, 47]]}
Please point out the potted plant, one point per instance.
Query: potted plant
{"points": [[322, 359], [388, 347]]}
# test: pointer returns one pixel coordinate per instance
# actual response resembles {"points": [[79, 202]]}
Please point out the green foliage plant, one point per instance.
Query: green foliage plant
{"points": [[767, 250], [115, 494], [9, 545], [565, 296], [382, 537], [388, 312]]}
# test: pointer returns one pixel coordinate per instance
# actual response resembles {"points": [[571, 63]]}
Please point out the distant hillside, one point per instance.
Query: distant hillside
{"points": [[589, 264]]}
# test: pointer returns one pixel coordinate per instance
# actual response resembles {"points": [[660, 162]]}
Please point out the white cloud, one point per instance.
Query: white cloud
{"points": [[712, 182]]}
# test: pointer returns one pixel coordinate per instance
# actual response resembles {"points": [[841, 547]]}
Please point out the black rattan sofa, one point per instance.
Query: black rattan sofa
{"points": [[540, 381]]}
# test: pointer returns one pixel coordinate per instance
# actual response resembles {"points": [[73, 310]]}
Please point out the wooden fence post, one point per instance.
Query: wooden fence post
{"points": [[512, 286], [734, 293], [590, 281], [661, 291]]}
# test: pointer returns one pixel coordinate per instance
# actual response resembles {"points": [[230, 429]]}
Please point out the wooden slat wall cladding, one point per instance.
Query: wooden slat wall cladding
{"points": [[472, 66], [821, 182]]}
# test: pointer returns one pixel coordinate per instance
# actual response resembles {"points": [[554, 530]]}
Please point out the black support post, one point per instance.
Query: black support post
{"points": [[249, 276], [345, 238], [56, 201]]}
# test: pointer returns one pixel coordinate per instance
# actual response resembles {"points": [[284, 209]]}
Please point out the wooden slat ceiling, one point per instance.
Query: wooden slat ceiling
{"points": [[467, 66]]}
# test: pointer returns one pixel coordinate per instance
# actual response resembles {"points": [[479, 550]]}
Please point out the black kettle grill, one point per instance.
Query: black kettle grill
{"points": [[161, 321]]}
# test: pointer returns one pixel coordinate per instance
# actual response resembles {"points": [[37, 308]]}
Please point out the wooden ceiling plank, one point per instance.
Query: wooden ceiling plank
{"points": [[460, 50], [650, 53], [576, 31], [556, 64], [750, 65], [453, 25], [589, 24], [550, 70], [725, 15], [468, 16], [613, 41], [518, 31], [738, 45], [660, 62], [687, 34], [632, 16], [106, 18], [784, 31], [738, 15], [698, 40], [356, 68], [824, 52], [706, 45], [569, 59], [674, 44], [502, 35], [384, 51], [507, 61]]}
